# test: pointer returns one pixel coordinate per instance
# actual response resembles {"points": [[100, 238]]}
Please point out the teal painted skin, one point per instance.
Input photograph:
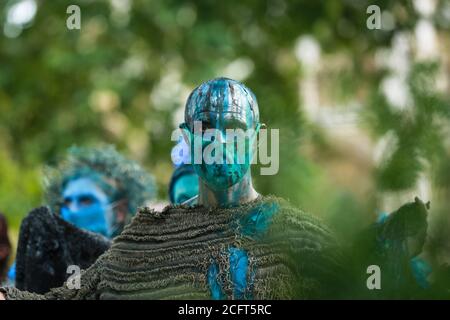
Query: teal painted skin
{"points": [[222, 104], [235, 163]]}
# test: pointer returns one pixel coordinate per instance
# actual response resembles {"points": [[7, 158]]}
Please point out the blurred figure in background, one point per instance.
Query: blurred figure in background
{"points": [[183, 186], [394, 243], [92, 195], [98, 190], [5, 248]]}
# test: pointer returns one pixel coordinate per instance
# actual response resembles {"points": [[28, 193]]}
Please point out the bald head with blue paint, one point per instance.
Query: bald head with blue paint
{"points": [[221, 102], [222, 105]]}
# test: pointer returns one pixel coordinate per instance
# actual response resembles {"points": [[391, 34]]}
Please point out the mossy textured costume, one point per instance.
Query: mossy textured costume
{"points": [[193, 252]]}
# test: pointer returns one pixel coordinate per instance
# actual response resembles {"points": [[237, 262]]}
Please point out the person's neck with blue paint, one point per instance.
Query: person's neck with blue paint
{"points": [[238, 194]]}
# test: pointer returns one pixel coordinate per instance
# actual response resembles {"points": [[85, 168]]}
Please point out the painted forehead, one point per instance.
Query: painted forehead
{"points": [[222, 97], [84, 186], [216, 119]]}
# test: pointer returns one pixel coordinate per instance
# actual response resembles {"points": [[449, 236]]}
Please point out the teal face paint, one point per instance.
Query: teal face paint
{"points": [[87, 206], [226, 155], [222, 107]]}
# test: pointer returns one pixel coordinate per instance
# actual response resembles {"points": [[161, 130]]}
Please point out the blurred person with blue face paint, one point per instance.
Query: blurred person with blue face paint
{"points": [[98, 190], [92, 194], [87, 206], [183, 186]]}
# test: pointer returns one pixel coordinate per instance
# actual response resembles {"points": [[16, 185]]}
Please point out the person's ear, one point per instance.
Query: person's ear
{"points": [[121, 210], [186, 133]]}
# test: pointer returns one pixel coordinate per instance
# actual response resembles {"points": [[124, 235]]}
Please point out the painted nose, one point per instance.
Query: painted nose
{"points": [[74, 206]]}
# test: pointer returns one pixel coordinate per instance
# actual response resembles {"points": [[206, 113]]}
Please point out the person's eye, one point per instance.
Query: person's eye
{"points": [[67, 202], [86, 200], [206, 125], [236, 124]]}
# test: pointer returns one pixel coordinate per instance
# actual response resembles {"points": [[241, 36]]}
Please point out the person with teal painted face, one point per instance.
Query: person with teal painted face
{"points": [[213, 111], [233, 243]]}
